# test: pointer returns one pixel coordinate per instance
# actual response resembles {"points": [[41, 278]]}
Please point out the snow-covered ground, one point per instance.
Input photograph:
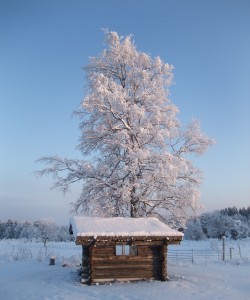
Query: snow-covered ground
{"points": [[25, 273]]}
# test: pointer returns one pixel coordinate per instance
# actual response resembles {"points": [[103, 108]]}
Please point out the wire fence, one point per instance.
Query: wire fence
{"points": [[208, 255], [193, 256]]}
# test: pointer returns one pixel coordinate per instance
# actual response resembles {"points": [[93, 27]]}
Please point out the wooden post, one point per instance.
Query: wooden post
{"points": [[52, 260], [223, 248], [231, 253], [240, 251]]}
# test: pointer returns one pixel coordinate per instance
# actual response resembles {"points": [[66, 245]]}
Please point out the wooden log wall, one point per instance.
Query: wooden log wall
{"points": [[106, 266], [85, 265], [164, 275]]}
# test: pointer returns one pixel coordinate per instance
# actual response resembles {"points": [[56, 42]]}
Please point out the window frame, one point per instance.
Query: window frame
{"points": [[126, 250]]}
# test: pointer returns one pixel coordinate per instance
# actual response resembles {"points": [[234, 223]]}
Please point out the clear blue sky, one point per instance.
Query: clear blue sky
{"points": [[45, 44]]}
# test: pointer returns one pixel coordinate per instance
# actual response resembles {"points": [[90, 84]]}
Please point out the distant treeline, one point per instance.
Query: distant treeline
{"points": [[230, 222], [41, 230]]}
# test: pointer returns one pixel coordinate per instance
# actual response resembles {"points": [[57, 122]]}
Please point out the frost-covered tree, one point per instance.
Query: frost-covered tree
{"points": [[136, 156], [11, 229], [29, 231], [216, 225], [194, 230], [46, 230], [62, 234]]}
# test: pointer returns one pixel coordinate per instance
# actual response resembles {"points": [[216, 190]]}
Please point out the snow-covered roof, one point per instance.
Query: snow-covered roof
{"points": [[93, 226]]}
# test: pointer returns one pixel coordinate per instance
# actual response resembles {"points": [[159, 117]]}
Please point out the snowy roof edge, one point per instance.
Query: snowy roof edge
{"points": [[120, 226]]}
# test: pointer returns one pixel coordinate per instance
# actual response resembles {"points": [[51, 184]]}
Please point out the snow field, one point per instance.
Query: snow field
{"points": [[31, 277]]}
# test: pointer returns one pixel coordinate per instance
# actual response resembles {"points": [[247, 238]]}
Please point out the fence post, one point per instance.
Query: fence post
{"points": [[240, 251], [223, 248], [231, 253], [192, 256]]}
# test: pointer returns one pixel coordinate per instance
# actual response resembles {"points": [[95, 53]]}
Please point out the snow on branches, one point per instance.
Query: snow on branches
{"points": [[138, 151]]}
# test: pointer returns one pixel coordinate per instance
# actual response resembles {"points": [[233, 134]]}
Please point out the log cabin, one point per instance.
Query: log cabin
{"points": [[123, 249]]}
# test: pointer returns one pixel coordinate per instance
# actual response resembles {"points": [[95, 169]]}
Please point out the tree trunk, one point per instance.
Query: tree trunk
{"points": [[134, 205]]}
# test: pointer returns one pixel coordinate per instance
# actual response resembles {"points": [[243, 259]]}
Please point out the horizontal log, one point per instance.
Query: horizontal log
{"points": [[148, 251], [103, 248], [105, 280], [125, 257], [103, 253], [139, 243], [140, 253], [128, 239], [126, 262], [126, 267], [126, 275], [139, 261], [115, 275]]}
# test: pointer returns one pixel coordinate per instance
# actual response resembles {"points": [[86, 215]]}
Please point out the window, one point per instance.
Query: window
{"points": [[126, 250]]}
